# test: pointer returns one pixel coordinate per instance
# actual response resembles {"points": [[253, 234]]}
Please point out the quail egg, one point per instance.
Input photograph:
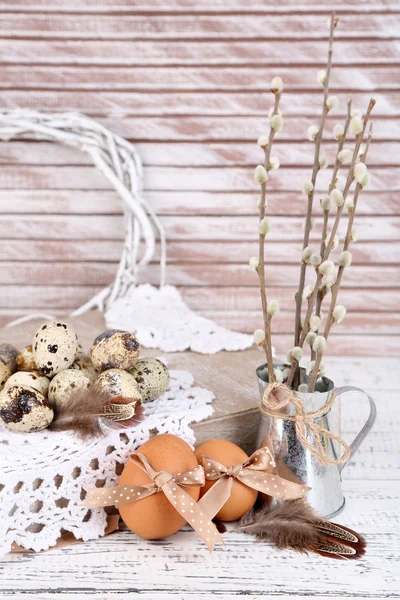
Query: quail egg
{"points": [[114, 349], [66, 383], [8, 355], [117, 382], [152, 377], [55, 347], [4, 374], [25, 360], [24, 409], [83, 364], [31, 379]]}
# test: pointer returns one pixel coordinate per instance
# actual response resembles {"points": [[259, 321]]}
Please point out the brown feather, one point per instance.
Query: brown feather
{"points": [[294, 525], [85, 409]]}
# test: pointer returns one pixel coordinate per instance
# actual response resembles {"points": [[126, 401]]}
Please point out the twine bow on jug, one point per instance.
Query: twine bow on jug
{"points": [[277, 397]]}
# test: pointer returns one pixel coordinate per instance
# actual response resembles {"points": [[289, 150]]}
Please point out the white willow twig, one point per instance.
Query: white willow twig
{"points": [[336, 287]]}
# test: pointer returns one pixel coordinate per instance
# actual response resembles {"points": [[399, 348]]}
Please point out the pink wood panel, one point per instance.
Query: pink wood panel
{"points": [[176, 179], [100, 202], [127, 79], [242, 26], [105, 250], [186, 82], [100, 273]]}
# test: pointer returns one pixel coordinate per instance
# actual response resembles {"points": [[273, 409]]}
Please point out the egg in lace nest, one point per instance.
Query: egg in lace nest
{"points": [[114, 349], [4, 374], [55, 347], [117, 382], [152, 377], [84, 365], [8, 356], [24, 409], [31, 379], [25, 360], [66, 383]]}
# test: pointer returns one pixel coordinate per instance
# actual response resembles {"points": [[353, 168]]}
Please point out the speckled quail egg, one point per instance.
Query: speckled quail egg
{"points": [[114, 349], [31, 379], [8, 355], [83, 364], [66, 383], [54, 347], [117, 382], [152, 377], [24, 409], [25, 360], [4, 374]]}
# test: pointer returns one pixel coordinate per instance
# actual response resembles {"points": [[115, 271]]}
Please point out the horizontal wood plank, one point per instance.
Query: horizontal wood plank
{"points": [[235, 78], [183, 154], [214, 251], [235, 129], [203, 299], [192, 103], [107, 202], [51, 227], [174, 178], [155, 27], [368, 276], [177, 6], [184, 52]]}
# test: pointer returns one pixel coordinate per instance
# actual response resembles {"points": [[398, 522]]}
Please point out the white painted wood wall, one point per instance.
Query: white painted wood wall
{"points": [[186, 82]]}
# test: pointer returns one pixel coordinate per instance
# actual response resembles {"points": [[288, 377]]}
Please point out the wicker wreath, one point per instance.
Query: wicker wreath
{"points": [[118, 160]]}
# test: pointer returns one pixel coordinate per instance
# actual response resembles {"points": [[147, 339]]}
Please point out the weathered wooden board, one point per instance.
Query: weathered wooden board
{"points": [[106, 202], [254, 53], [105, 78]]}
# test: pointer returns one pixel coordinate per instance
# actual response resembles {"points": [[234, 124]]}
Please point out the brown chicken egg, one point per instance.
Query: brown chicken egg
{"points": [[242, 498], [155, 517]]}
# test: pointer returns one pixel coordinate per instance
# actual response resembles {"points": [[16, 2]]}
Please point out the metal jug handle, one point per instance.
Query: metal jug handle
{"points": [[369, 423]]}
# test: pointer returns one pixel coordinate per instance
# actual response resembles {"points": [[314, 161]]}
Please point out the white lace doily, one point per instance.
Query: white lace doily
{"points": [[161, 319], [42, 475]]}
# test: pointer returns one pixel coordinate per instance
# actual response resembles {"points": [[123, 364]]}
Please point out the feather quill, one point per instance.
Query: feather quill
{"points": [[294, 525], [85, 410]]}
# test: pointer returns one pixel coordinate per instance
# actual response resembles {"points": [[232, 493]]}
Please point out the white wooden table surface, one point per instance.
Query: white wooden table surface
{"points": [[124, 566]]}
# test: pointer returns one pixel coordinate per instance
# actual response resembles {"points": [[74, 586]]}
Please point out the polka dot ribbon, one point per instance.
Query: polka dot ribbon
{"points": [[256, 472], [172, 486]]}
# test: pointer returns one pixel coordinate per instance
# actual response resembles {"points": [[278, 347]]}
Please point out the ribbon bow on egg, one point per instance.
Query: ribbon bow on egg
{"points": [[256, 472], [172, 486]]}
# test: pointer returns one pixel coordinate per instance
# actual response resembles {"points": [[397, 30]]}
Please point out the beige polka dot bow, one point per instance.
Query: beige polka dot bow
{"points": [[172, 486], [256, 472]]}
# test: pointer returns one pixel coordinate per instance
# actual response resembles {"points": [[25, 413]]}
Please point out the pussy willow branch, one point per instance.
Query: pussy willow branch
{"points": [[335, 171], [316, 167], [261, 262], [322, 292], [350, 178], [335, 289]]}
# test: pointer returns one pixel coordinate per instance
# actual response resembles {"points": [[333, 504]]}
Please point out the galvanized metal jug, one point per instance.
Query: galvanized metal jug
{"points": [[294, 461]]}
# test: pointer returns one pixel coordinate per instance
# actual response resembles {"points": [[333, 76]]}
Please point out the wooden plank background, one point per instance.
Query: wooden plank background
{"points": [[187, 82]]}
